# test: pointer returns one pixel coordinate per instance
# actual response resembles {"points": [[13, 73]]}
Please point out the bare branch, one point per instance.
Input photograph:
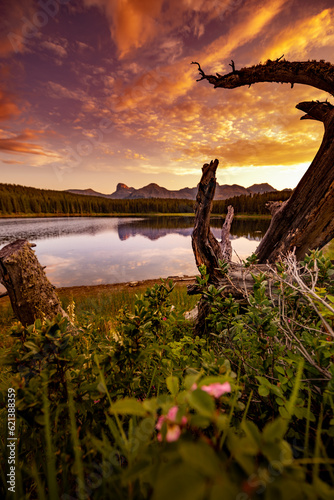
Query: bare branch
{"points": [[317, 74], [232, 66]]}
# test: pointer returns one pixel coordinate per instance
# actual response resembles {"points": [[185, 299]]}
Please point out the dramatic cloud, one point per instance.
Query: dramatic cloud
{"points": [[8, 105], [12, 162], [105, 90], [56, 48], [20, 144], [58, 91], [14, 25], [296, 40]]}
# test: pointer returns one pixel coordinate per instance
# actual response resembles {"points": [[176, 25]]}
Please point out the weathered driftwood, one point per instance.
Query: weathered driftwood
{"points": [[305, 221], [238, 282], [225, 243], [31, 294]]}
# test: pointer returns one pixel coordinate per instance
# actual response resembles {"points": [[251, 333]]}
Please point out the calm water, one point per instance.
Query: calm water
{"points": [[94, 250]]}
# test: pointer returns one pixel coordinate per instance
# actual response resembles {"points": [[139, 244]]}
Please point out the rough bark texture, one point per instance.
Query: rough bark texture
{"points": [[317, 74], [226, 244], [305, 221], [206, 248], [31, 294]]}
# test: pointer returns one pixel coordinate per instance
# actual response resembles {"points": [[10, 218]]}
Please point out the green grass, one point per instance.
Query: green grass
{"points": [[102, 310]]}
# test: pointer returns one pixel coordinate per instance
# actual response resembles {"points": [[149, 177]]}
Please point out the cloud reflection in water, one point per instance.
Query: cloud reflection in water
{"points": [[93, 250]]}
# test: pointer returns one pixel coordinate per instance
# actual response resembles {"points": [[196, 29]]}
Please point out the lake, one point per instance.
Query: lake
{"points": [[96, 250]]}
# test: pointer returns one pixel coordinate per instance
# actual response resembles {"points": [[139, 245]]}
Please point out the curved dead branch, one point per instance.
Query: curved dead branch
{"points": [[317, 74]]}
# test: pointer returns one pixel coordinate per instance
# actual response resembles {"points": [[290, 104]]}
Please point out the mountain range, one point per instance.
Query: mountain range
{"points": [[123, 192]]}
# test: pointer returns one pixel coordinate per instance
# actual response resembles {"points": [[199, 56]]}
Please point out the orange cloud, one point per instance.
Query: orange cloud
{"points": [[12, 162], [132, 23], [254, 19], [12, 37], [19, 144], [56, 48], [167, 83], [8, 107], [296, 40], [260, 152]]}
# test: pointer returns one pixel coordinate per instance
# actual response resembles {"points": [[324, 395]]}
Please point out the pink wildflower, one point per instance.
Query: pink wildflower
{"points": [[164, 318], [216, 390], [173, 429]]}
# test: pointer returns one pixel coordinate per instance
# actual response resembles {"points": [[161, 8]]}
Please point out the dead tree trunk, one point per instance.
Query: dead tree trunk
{"points": [[306, 220], [206, 248], [31, 294]]}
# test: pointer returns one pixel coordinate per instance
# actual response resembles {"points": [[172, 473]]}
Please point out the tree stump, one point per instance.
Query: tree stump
{"points": [[31, 294]]}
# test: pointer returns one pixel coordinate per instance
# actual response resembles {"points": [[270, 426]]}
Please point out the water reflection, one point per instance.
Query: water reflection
{"points": [[55, 227], [157, 227], [94, 250]]}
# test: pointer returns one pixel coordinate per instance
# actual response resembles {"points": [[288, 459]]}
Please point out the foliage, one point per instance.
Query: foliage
{"points": [[19, 200], [145, 409]]}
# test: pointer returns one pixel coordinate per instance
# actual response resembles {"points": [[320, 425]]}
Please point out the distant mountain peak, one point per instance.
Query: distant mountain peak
{"points": [[264, 187], [120, 185], [153, 190]]}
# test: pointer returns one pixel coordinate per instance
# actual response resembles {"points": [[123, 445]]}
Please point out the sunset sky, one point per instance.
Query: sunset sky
{"points": [[96, 92]]}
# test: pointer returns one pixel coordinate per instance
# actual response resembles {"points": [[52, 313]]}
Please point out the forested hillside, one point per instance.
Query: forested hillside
{"points": [[21, 200]]}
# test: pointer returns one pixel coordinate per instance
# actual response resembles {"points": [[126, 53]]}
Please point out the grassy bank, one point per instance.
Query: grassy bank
{"points": [[100, 303]]}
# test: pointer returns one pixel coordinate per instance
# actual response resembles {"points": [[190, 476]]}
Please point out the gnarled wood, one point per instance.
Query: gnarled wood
{"points": [[317, 74], [225, 244], [206, 248], [31, 294], [305, 221]]}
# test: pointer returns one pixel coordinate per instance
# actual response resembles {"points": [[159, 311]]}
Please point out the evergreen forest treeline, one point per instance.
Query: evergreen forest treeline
{"points": [[21, 200]]}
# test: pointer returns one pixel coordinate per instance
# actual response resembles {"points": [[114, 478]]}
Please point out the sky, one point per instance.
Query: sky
{"points": [[97, 92]]}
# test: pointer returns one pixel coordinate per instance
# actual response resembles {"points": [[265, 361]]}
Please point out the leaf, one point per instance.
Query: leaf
{"points": [[173, 385], [101, 388], [252, 432], [200, 457], [283, 412], [275, 430], [263, 391], [127, 406], [179, 482], [202, 403], [31, 345], [263, 381], [280, 369]]}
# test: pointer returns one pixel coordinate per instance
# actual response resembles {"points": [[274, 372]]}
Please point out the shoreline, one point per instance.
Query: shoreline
{"points": [[89, 290], [82, 291], [153, 214]]}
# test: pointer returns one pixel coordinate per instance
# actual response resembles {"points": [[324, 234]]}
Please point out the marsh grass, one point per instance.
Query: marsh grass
{"points": [[102, 310]]}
